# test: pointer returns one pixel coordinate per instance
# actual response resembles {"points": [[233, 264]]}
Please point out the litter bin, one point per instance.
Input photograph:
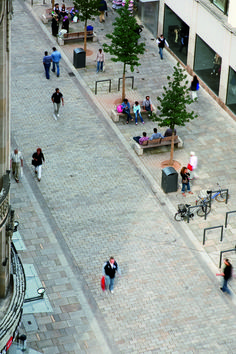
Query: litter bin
{"points": [[169, 182], [79, 58]]}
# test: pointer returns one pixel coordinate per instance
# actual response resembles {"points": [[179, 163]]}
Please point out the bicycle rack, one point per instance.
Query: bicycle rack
{"points": [[226, 217], [221, 252], [194, 207], [127, 77], [221, 190], [211, 228], [96, 83]]}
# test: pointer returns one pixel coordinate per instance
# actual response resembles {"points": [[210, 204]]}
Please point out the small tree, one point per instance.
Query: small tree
{"points": [[87, 10], [173, 104], [124, 42]]}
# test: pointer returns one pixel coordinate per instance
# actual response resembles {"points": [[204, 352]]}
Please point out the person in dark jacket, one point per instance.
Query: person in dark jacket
{"points": [[168, 132], [38, 159], [227, 274], [55, 25], [109, 271], [194, 87], [102, 8], [65, 23], [185, 180]]}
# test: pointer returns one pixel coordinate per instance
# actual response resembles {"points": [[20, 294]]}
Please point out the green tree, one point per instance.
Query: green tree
{"points": [[87, 10], [124, 46], [173, 104]]}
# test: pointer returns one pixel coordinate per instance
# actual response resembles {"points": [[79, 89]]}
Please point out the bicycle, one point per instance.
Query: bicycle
{"points": [[220, 196], [202, 209]]}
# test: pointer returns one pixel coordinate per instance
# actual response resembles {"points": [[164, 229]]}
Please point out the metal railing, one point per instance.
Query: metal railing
{"points": [[226, 217], [211, 228], [127, 77], [96, 83], [221, 253]]}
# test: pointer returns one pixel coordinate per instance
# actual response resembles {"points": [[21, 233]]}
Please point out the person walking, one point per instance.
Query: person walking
{"points": [[194, 87], [16, 163], [56, 57], [227, 274], [38, 159], [100, 59], [57, 98], [192, 165], [185, 181], [102, 8], [109, 271], [162, 42], [47, 59]]}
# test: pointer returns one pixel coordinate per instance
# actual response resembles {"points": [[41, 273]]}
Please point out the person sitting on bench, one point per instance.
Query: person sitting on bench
{"points": [[140, 139]]}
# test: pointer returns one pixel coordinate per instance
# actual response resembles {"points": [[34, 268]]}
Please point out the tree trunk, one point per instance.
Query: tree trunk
{"points": [[172, 148], [123, 84], [53, 4], [85, 36]]}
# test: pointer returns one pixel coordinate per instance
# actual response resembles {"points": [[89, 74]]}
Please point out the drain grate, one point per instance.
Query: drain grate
{"points": [[71, 74]]}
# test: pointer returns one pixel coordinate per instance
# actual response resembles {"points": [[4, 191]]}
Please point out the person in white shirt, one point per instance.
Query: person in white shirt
{"points": [[137, 110], [193, 162], [100, 59], [162, 42], [16, 162]]}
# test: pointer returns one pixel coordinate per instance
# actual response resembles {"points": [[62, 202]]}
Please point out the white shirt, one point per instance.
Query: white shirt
{"points": [[16, 157]]}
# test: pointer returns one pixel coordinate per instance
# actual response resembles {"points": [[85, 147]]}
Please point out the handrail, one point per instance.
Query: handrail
{"points": [[96, 82], [210, 228], [127, 77]]}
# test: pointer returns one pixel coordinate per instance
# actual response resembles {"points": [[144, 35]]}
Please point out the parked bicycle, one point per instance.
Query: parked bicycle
{"points": [[222, 195], [186, 211]]}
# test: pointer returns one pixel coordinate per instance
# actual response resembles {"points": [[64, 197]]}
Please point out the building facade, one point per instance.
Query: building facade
{"points": [[202, 35], [12, 277]]}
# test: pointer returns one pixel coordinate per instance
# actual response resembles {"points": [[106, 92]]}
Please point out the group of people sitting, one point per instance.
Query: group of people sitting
{"points": [[125, 108], [140, 139], [61, 14]]}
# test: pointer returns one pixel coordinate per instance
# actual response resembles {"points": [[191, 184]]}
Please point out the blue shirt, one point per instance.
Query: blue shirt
{"points": [[56, 56], [125, 105], [156, 136], [47, 59]]}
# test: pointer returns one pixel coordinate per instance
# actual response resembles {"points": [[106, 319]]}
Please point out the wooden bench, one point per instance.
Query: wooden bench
{"points": [[74, 36], [48, 14], [150, 144], [115, 116]]}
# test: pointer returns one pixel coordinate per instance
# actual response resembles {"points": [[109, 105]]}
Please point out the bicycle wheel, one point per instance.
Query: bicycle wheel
{"points": [[221, 197], [178, 217], [203, 208]]}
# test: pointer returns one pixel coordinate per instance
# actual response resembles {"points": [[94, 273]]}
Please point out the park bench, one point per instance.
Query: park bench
{"points": [[74, 36], [47, 16], [156, 143], [115, 116]]}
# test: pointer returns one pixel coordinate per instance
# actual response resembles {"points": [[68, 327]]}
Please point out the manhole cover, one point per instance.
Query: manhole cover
{"points": [[29, 323], [71, 74]]}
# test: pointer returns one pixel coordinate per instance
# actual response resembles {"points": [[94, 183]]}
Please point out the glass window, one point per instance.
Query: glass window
{"points": [[148, 12], [207, 65], [176, 33], [231, 92], [222, 5]]}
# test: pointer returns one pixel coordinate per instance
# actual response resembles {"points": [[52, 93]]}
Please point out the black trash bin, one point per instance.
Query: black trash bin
{"points": [[169, 182], [79, 58]]}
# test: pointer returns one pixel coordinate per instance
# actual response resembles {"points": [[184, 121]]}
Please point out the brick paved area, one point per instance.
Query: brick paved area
{"points": [[97, 198]]}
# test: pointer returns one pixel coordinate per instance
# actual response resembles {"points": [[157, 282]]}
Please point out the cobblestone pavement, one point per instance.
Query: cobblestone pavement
{"points": [[97, 198]]}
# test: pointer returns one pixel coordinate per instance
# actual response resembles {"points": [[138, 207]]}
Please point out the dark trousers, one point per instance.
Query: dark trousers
{"points": [[47, 68], [136, 138], [127, 111]]}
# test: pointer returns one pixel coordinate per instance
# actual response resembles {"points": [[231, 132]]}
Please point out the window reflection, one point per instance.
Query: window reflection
{"points": [[207, 65], [231, 92]]}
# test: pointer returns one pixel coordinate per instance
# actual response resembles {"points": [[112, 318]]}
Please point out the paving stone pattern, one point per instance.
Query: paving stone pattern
{"points": [[97, 198]]}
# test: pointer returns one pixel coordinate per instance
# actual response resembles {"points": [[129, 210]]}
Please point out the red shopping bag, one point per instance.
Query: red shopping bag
{"points": [[103, 283], [190, 167]]}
